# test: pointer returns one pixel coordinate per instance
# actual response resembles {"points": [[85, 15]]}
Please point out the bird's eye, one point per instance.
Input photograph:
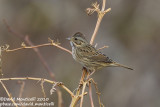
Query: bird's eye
{"points": [[75, 39]]}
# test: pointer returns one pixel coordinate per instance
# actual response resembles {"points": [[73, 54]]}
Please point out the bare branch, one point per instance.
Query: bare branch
{"points": [[60, 101], [9, 95], [84, 86], [103, 5], [100, 13], [97, 92], [83, 90], [1, 74], [103, 47], [39, 79], [52, 43], [42, 87], [90, 94], [36, 50], [22, 88]]}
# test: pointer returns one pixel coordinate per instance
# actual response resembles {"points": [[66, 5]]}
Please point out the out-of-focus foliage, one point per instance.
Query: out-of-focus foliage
{"points": [[131, 30]]}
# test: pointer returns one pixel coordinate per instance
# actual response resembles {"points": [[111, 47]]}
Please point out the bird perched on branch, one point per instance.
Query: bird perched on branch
{"points": [[89, 56]]}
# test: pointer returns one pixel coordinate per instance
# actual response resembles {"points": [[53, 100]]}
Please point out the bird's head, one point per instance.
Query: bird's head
{"points": [[78, 40]]}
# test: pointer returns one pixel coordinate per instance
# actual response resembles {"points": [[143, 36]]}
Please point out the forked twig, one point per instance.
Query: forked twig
{"points": [[100, 13], [28, 42], [37, 46], [39, 79], [78, 96], [36, 50], [97, 92]]}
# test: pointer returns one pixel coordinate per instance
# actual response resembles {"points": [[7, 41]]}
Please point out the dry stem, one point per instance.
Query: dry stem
{"points": [[1, 74], [78, 96], [83, 90], [37, 46], [60, 101], [36, 50], [22, 88], [103, 47], [9, 95], [100, 13], [90, 95], [97, 92], [40, 79], [42, 87]]}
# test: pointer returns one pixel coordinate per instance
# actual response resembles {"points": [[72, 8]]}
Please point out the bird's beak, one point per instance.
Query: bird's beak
{"points": [[68, 38]]}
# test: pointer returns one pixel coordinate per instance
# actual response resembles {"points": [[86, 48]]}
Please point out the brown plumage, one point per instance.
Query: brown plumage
{"points": [[88, 56]]}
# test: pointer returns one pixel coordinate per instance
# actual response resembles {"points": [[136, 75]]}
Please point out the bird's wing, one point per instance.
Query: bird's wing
{"points": [[91, 53]]}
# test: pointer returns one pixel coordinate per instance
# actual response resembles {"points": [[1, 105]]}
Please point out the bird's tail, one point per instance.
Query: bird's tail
{"points": [[120, 65]]}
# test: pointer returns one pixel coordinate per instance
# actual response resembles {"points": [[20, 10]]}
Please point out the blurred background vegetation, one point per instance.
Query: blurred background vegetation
{"points": [[131, 30]]}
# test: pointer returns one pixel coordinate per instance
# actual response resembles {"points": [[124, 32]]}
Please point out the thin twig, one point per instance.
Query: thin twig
{"points": [[97, 92], [60, 101], [41, 45], [90, 94], [84, 86], [76, 98], [100, 13], [36, 50], [103, 47], [1, 74], [42, 87], [9, 95], [22, 88], [103, 5], [43, 61], [37, 46], [96, 29], [39, 79], [83, 89], [26, 39]]}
